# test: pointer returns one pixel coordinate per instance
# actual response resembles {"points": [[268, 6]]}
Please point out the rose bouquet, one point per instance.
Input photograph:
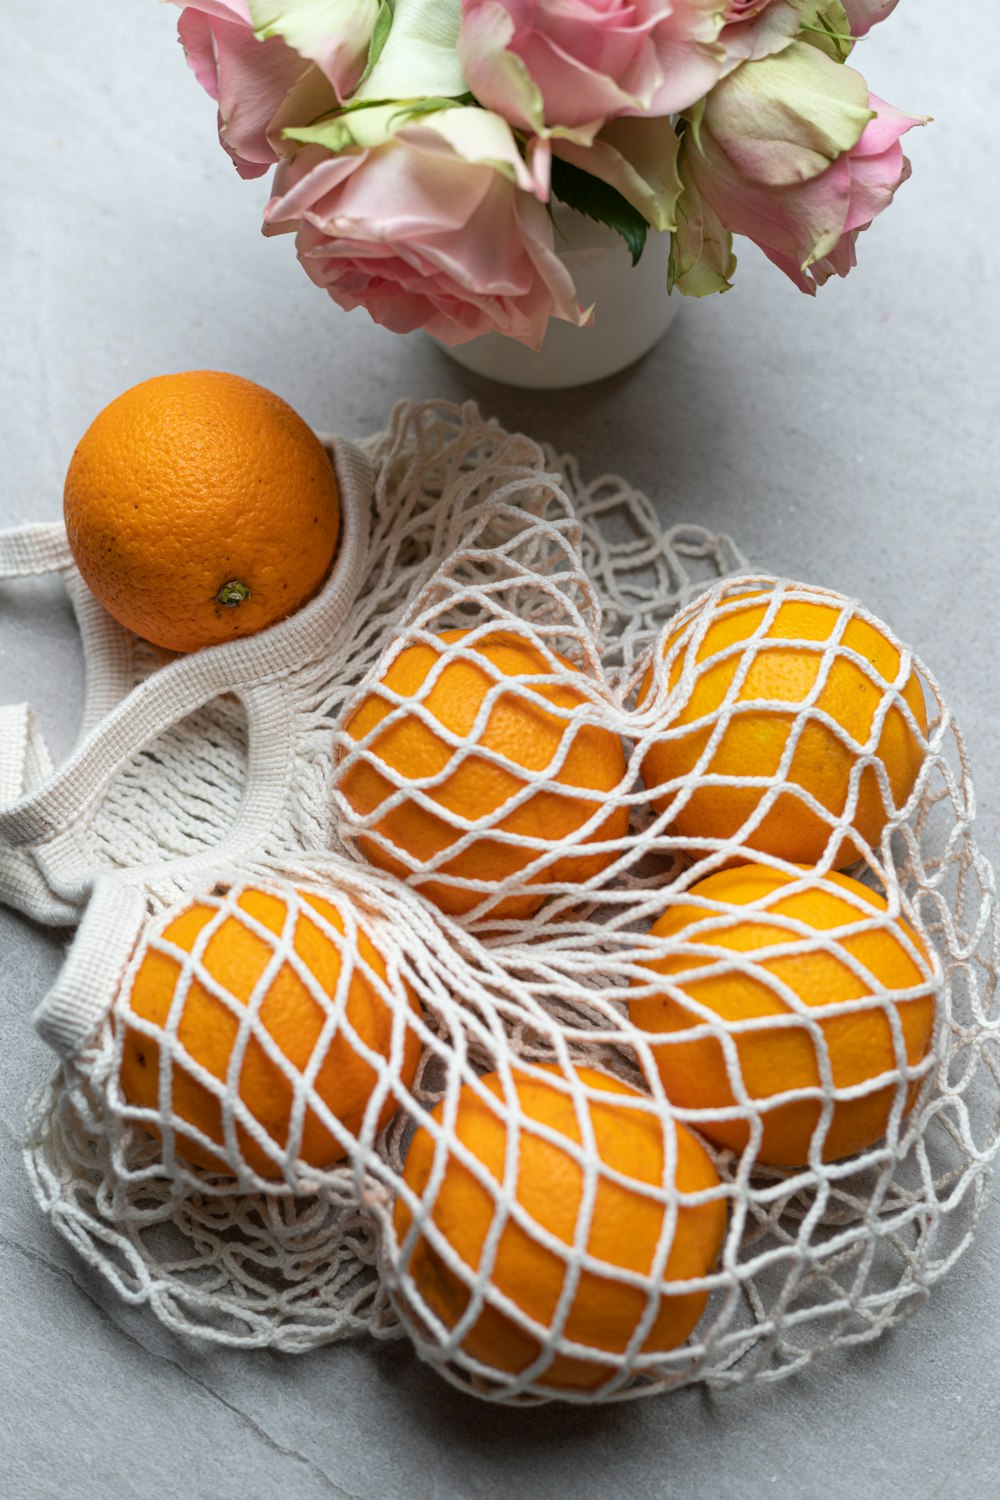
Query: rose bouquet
{"points": [[420, 144]]}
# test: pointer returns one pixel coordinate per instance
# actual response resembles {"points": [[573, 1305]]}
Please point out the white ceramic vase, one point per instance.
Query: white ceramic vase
{"points": [[632, 311]]}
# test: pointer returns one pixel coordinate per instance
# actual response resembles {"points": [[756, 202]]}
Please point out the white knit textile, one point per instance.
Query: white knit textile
{"points": [[199, 776]]}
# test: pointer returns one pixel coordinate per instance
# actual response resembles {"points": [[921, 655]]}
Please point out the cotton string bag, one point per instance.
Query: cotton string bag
{"points": [[200, 778]]}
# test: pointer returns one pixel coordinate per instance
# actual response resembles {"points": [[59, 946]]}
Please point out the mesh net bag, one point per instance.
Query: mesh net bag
{"points": [[582, 963]]}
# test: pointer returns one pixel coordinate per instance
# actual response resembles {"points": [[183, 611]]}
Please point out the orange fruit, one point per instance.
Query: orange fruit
{"points": [[781, 677], [468, 787], [200, 508], [625, 1226], [750, 950], [173, 993]]}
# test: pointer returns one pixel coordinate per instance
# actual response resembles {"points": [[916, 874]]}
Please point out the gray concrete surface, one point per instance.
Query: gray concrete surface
{"points": [[851, 442]]}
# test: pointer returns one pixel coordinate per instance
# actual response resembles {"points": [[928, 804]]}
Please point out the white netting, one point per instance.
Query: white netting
{"points": [[420, 1013]]}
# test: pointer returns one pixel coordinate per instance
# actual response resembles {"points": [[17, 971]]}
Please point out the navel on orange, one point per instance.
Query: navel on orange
{"points": [[465, 791], [200, 508], [791, 986], [625, 1227], [733, 778], [261, 1032]]}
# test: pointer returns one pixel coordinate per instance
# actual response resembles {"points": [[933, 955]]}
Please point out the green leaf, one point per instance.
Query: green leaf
{"points": [[380, 34], [598, 200], [415, 108], [638, 158], [826, 26]]}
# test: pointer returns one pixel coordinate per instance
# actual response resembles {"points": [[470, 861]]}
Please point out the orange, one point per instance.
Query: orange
{"points": [[750, 949], [625, 1227], [288, 1021], [468, 787], [781, 677], [200, 508]]}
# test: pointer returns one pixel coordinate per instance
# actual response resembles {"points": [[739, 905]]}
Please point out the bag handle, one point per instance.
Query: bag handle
{"points": [[24, 755], [93, 968], [47, 818], [26, 551], [24, 762], [40, 548]]}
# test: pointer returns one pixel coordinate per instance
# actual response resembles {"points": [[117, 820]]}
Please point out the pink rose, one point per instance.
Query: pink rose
{"points": [[436, 225], [863, 14], [571, 65], [248, 79], [744, 10], [251, 77], [793, 152], [860, 186], [756, 28]]}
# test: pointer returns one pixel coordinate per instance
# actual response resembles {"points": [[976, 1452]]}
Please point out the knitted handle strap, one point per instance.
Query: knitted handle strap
{"points": [[32, 550], [108, 654], [92, 972], [26, 551], [24, 762], [24, 755], [48, 818]]}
